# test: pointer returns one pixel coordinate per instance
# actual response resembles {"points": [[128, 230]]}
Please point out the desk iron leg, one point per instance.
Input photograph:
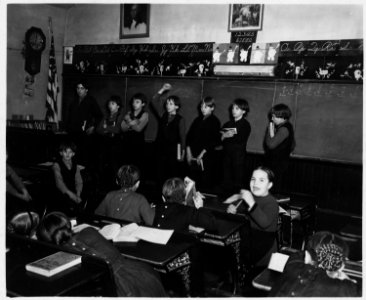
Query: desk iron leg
{"points": [[182, 265], [241, 270], [185, 273]]}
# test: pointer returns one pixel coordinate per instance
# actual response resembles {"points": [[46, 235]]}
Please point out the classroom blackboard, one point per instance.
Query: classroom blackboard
{"points": [[327, 117], [327, 120]]}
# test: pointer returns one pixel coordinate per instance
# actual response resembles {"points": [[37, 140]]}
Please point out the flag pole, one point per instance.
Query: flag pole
{"points": [[52, 86]]}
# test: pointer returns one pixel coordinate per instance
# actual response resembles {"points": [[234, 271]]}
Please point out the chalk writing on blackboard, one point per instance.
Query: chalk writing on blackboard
{"points": [[320, 90]]}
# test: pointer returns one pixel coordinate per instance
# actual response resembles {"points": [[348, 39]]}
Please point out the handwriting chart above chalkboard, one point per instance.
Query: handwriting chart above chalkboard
{"points": [[320, 60], [323, 60], [188, 59], [327, 117]]}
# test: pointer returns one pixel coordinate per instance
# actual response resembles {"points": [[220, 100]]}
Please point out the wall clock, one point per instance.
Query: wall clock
{"points": [[35, 42]]}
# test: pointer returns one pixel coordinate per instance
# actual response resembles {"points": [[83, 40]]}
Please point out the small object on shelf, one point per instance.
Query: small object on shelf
{"points": [[53, 264]]}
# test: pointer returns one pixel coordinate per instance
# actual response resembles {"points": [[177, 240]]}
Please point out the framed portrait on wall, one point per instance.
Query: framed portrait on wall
{"points": [[68, 55], [134, 20], [244, 17]]}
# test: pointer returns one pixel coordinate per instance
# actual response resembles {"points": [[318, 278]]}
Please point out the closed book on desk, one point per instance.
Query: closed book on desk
{"points": [[53, 264]]}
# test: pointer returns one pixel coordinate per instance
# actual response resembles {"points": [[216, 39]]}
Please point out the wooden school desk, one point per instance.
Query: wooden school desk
{"points": [[228, 233], [90, 278], [267, 278], [164, 258]]}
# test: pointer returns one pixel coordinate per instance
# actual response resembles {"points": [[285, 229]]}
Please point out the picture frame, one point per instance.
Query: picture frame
{"points": [[134, 20], [68, 55], [244, 17]]}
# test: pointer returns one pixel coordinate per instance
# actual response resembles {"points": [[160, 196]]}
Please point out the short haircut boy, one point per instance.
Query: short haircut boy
{"points": [[139, 96], [175, 100], [174, 190], [115, 98], [281, 111], [209, 101], [67, 145], [127, 176], [242, 104], [83, 83]]}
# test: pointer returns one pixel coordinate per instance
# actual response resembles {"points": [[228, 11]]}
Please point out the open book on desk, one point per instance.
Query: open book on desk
{"points": [[133, 233]]}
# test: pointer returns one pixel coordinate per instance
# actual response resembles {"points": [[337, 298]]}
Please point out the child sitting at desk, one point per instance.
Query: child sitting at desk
{"points": [[262, 209], [317, 271], [173, 213], [68, 180], [125, 203], [131, 278]]}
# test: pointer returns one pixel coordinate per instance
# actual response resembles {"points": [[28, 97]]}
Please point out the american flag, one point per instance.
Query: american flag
{"points": [[52, 87]]}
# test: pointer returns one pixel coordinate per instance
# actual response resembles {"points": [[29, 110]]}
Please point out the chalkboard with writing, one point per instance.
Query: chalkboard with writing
{"points": [[327, 120], [327, 117]]}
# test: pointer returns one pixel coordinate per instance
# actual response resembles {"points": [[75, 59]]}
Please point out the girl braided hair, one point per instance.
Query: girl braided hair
{"points": [[328, 250]]}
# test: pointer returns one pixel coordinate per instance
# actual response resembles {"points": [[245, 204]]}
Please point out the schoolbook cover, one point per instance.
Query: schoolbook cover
{"points": [[53, 264]]}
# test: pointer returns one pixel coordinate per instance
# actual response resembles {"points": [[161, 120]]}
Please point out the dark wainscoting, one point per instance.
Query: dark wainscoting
{"points": [[335, 186]]}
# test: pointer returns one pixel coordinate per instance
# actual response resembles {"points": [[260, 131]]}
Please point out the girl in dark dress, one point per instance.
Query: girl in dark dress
{"points": [[202, 138], [170, 138], [132, 278]]}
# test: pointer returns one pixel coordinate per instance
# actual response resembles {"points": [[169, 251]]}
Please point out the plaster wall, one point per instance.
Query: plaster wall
{"points": [[190, 23], [20, 18], [169, 23]]}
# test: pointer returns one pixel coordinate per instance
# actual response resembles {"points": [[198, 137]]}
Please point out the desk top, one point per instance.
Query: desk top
{"points": [[155, 254], [76, 281], [265, 280]]}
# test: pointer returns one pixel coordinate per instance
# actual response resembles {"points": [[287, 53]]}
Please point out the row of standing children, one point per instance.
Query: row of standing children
{"points": [[202, 138]]}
